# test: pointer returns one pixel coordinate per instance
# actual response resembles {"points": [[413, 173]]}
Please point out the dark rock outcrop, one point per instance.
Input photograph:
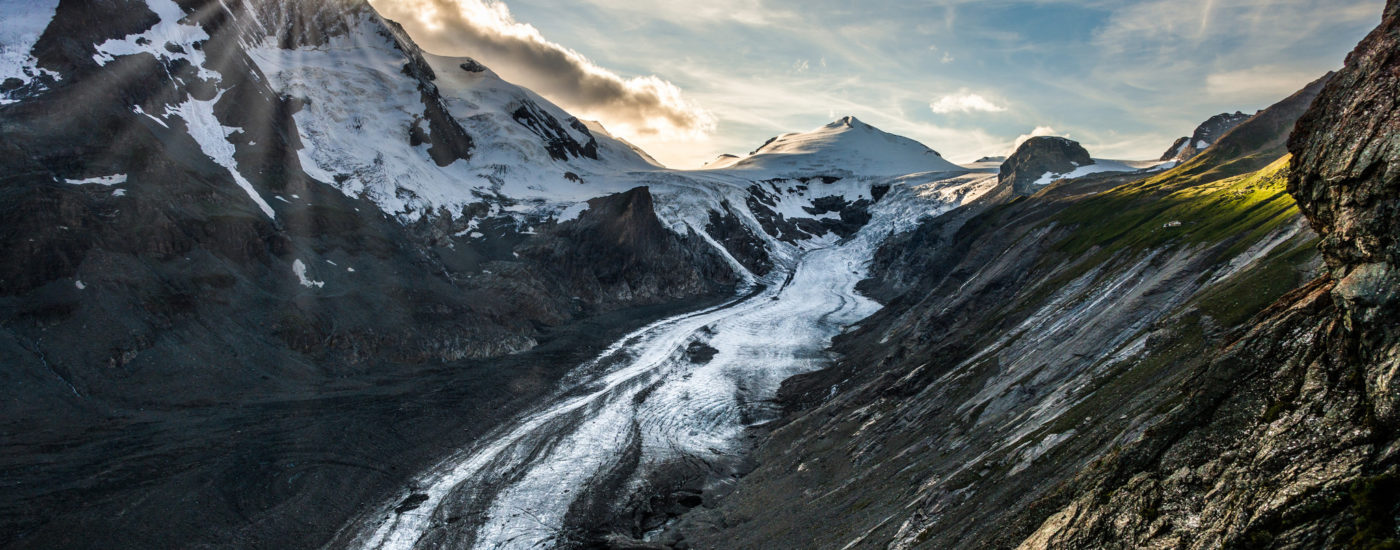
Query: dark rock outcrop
{"points": [[1206, 134], [1347, 181], [1040, 156], [617, 251], [472, 66], [746, 248]]}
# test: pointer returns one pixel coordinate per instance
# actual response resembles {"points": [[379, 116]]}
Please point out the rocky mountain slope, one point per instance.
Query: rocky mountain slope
{"points": [[1026, 342], [1298, 448], [1210, 131], [203, 321]]}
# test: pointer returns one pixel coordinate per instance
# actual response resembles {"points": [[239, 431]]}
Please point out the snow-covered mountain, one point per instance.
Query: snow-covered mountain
{"points": [[249, 130], [844, 148]]}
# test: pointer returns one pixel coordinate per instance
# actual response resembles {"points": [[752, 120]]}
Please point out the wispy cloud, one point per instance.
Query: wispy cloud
{"points": [[964, 102], [484, 29], [1265, 80]]}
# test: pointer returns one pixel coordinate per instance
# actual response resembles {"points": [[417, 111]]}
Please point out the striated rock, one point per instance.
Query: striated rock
{"points": [[1039, 156]]}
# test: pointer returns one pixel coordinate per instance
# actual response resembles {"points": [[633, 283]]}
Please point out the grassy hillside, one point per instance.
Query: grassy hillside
{"points": [[1178, 207]]}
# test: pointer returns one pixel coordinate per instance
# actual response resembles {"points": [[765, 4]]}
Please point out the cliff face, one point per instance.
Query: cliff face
{"points": [[1347, 181]]}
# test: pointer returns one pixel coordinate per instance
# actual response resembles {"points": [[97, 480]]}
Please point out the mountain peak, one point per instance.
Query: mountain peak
{"points": [[848, 121], [845, 147]]}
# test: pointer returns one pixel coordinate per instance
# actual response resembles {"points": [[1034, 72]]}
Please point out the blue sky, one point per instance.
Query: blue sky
{"points": [[965, 77]]}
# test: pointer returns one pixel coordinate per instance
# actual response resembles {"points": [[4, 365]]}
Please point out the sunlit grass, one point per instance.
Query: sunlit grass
{"points": [[1177, 207]]}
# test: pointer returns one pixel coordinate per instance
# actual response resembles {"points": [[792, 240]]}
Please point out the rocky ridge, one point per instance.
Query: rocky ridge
{"points": [[1210, 131], [1025, 170]]}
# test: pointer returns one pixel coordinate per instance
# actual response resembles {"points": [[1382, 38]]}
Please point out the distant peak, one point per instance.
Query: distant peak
{"points": [[847, 121]]}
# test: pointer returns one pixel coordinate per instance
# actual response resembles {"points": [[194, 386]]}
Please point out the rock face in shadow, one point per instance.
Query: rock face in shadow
{"points": [[1039, 156], [1347, 180], [617, 251]]}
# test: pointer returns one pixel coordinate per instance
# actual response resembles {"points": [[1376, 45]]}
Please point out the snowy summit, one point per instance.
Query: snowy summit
{"points": [[844, 148]]}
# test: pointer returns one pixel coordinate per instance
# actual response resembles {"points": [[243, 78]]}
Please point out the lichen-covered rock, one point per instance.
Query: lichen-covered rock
{"points": [[1347, 180]]}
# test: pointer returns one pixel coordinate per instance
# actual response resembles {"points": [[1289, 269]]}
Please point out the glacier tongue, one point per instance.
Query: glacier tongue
{"points": [[648, 399]]}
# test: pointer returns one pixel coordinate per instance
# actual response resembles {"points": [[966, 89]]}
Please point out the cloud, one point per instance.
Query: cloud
{"points": [[1157, 29], [1037, 132], [1269, 81], [745, 12], [964, 102], [645, 106]]}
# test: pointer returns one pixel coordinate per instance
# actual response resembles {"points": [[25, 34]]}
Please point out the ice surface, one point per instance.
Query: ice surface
{"points": [[21, 24], [657, 402]]}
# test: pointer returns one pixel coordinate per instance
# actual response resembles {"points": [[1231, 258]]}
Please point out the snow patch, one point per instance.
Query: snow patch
{"points": [[572, 212], [212, 137], [1098, 166], [299, 268], [115, 179], [169, 30], [138, 110]]}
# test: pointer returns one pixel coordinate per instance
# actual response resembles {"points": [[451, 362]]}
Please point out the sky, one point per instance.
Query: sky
{"points": [[688, 81]]}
